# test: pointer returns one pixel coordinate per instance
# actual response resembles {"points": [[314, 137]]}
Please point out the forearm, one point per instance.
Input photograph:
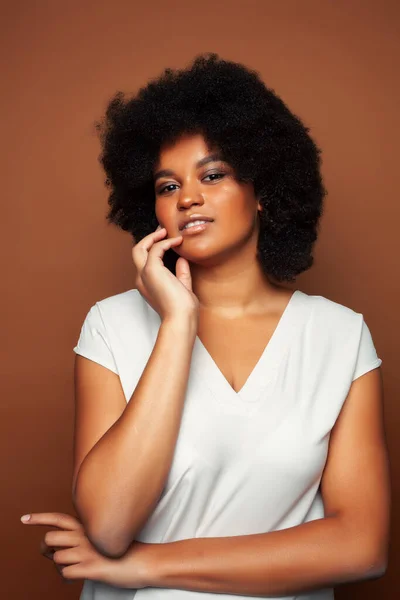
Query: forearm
{"points": [[122, 477], [318, 554]]}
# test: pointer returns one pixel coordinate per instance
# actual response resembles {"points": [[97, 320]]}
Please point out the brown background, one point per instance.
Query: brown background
{"points": [[334, 63]]}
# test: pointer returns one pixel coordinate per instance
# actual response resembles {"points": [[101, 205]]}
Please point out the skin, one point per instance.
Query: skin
{"points": [[226, 251], [223, 283], [235, 296]]}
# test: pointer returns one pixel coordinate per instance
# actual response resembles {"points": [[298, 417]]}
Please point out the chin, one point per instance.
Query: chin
{"points": [[205, 257], [209, 250]]}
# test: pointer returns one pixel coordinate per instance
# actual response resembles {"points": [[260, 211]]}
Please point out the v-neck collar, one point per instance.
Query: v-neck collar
{"points": [[208, 374], [265, 368]]}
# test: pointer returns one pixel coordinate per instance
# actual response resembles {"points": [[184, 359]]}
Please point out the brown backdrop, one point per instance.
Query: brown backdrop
{"points": [[334, 63]]}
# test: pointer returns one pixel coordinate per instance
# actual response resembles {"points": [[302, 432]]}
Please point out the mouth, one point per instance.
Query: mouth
{"points": [[195, 227]]}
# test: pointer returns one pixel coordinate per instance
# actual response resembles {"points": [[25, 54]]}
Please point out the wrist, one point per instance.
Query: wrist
{"points": [[138, 568], [154, 565], [184, 323]]}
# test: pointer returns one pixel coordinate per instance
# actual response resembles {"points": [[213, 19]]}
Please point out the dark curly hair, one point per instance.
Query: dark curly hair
{"points": [[253, 129]]}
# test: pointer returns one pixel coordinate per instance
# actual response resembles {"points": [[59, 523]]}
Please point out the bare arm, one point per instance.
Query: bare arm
{"points": [[349, 544], [123, 453], [123, 475]]}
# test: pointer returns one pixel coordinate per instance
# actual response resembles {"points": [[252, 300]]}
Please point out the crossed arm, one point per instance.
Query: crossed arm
{"points": [[349, 544]]}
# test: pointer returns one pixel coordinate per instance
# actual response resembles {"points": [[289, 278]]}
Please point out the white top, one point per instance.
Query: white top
{"points": [[245, 462]]}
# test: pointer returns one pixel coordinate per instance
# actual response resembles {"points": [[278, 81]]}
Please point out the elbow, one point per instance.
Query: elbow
{"points": [[109, 548], [107, 544], [103, 538], [109, 539], [374, 564]]}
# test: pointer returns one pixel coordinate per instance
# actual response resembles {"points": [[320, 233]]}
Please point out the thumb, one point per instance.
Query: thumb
{"points": [[182, 271]]}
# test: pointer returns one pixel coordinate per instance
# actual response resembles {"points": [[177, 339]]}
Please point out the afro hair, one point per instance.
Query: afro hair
{"points": [[253, 129]]}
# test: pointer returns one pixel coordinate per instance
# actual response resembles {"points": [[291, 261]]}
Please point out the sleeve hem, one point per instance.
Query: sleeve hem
{"points": [[98, 360], [377, 363]]}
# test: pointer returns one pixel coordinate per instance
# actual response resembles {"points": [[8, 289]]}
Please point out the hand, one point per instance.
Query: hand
{"points": [[168, 294], [76, 558]]}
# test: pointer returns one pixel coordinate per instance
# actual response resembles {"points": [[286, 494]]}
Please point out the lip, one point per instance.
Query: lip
{"points": [[195, 229], [194, 217]]}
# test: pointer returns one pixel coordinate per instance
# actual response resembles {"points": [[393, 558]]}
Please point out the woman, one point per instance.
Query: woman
{"points": [[229, 433]]}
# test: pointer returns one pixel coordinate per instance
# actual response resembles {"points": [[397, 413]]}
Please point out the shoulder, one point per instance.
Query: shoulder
{"points": [[123, 311], [333, 317], [342, 331], [128, 300]]}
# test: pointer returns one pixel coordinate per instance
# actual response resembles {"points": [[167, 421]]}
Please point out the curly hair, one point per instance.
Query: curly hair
{"points": [[256, 134]]}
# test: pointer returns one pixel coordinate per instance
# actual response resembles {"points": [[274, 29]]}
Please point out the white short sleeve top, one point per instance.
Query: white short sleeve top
{"points": [[249, 461]]}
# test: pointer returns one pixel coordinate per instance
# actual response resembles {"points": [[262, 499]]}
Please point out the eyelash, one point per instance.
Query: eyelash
{"points": [[162, 190]]}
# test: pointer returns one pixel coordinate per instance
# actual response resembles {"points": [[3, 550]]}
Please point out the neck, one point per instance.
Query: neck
{"points": [[236, 287]]}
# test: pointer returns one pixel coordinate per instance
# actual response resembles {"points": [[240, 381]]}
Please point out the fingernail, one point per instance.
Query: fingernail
{"points": [[25, 518]]}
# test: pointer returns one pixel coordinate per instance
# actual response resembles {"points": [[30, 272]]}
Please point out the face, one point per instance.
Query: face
{"points": [[191, 180]]}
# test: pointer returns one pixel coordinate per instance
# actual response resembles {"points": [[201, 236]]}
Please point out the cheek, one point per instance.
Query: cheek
{"points": [[163, 212], [235, 207]]}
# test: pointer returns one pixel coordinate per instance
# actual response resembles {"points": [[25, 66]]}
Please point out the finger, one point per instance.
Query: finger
{"points": [[68, 556], [158, 250], [182, 271], [46, 550], [60, 569], [61, 538], [147, 242], [63, 562], [141, 249], [71, 573], [54, 519]]}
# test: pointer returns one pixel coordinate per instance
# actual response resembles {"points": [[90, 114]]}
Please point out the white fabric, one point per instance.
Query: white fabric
{"points": [[247, 462]]}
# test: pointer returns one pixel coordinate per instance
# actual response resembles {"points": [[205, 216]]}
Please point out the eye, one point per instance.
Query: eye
{"points": [[215, 176], [166, 188], [169, 188]]}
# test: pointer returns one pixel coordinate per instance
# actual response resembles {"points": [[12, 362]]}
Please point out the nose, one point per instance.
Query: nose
{"points": [[189, 195]]}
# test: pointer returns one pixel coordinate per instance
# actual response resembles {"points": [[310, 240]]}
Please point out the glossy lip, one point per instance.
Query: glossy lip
{"points": [[195, 229], [194, 217]]}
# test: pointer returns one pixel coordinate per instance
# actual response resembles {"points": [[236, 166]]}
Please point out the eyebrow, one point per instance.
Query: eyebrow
{"points": [[200, 163]]}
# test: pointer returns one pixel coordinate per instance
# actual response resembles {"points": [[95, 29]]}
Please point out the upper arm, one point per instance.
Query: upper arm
{"points": [[355, 485], [99, 403], [99, 397]]}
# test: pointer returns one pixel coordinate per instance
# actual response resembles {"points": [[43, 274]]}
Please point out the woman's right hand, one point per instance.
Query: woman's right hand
{"points": [[169, 295]]}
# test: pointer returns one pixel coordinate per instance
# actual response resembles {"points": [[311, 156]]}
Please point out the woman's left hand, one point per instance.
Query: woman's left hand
{"points": [[76, 558]]}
